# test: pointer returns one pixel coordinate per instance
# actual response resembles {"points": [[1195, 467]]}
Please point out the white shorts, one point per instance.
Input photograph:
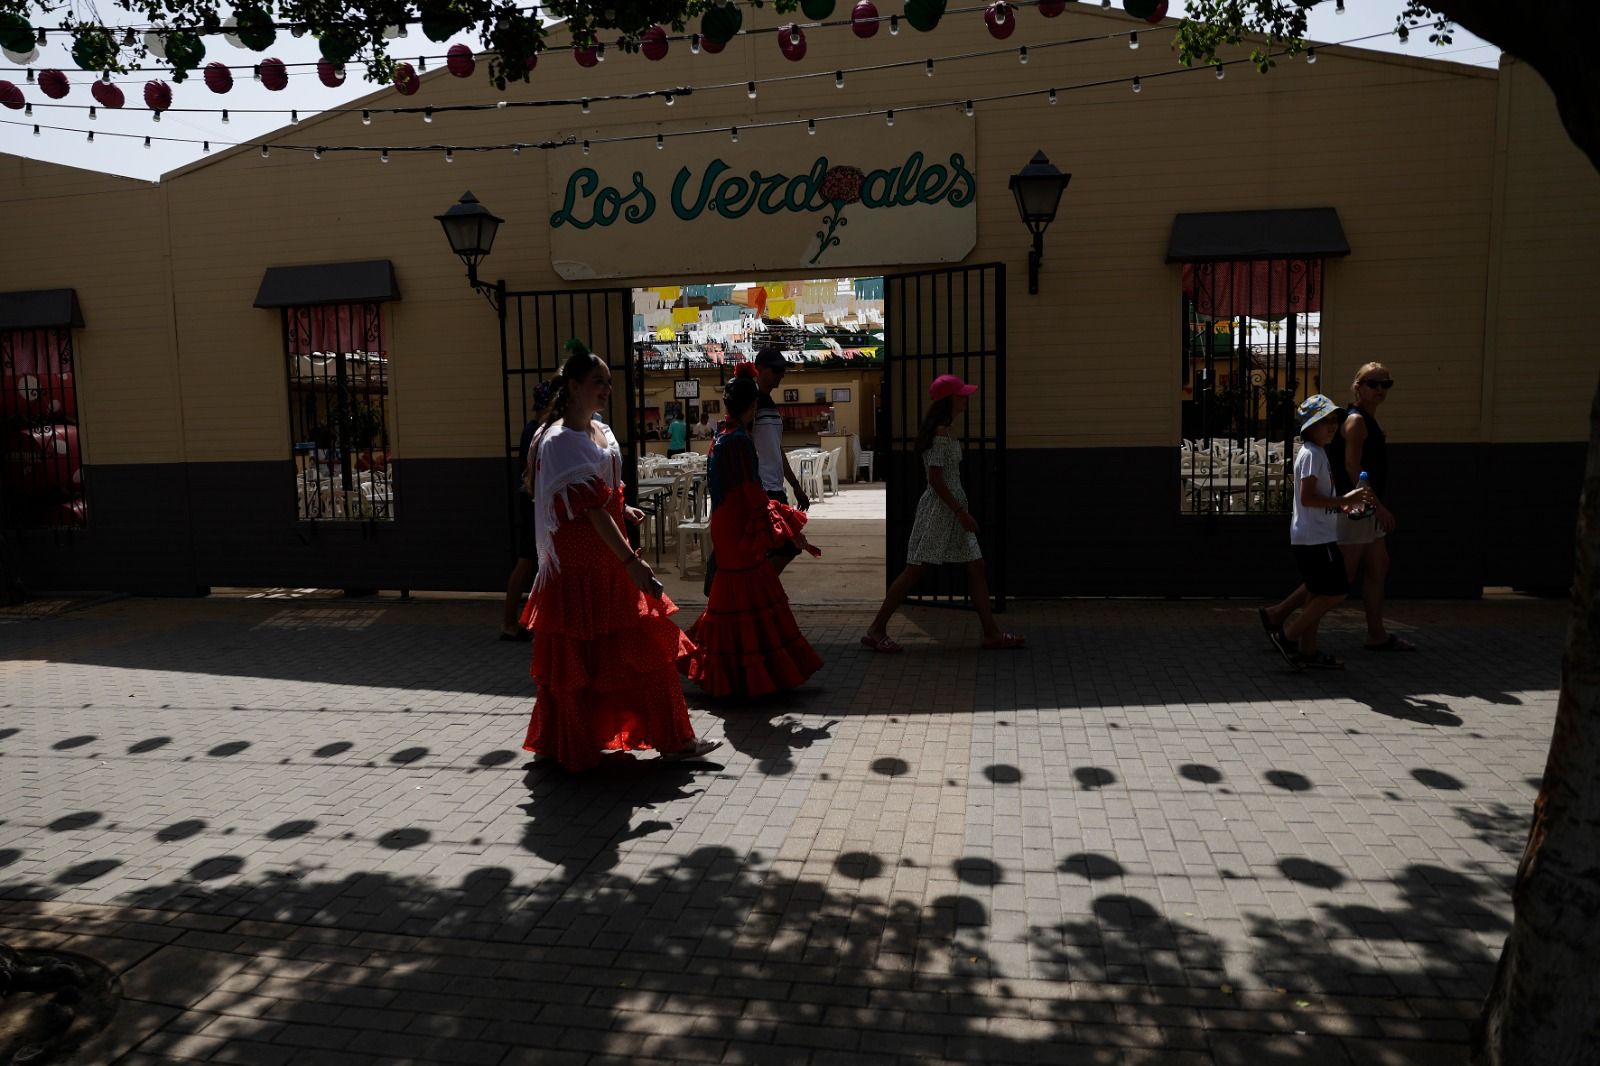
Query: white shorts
{"points": [[1359, 530]]}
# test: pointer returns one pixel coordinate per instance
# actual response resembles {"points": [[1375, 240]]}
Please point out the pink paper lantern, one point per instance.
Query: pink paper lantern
{"points": [[792, 43], [653, 43], [406, 82], [330, 73], [1158, 14], [219, 79], [586, 57], [712, 47], [864, 19], [157, 95], [53, 84], [461, 61], [11, 96], [1051, 8], [274, 75], [1001, 20], [108, 95]]}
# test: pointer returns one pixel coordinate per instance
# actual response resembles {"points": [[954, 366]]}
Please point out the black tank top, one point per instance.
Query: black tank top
{"points": [[1374, 455]]}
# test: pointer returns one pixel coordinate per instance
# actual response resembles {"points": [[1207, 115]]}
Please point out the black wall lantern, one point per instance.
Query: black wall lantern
{"points": [[1038, 188], [470, 227]]}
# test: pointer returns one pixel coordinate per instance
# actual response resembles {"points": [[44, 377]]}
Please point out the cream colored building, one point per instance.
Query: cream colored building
{"points": [[206, 459]]}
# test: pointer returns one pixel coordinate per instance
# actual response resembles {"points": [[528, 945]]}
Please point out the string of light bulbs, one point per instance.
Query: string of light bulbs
{"points": [[969, 106]]}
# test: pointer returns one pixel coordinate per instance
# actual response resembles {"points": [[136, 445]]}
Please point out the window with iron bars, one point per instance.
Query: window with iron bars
{"points": [[340, 412], [1251, 352], [41, 481]]}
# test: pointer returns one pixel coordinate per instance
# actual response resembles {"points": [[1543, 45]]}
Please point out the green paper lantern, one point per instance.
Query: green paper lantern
{"points": [[185, 51], [722, 24], [924, 15], [255, 29], [16, 33], [94, 49], [1140, 9], [440, 22], [817, 10], [339, 44]]}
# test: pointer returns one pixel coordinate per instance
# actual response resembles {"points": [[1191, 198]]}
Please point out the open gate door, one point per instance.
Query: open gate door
{"points": [[534, 330], [949, 321]]}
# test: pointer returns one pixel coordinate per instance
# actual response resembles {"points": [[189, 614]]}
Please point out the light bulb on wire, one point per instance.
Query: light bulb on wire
{"points": [[1137, 87], [888, 117], [1133, 42], [838, 79]]}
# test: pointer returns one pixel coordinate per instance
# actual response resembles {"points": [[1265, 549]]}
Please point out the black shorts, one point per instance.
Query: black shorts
{"points": [[1322, 568], [527, 540], [788, 550]]}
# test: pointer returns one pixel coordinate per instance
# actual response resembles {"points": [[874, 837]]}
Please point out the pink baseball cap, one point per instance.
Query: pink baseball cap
{"points": [[949, 385]]}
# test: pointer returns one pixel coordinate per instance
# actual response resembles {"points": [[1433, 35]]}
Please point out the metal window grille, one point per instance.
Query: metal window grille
{"points": [[339, 412], [41, 480], [1251, 351]]}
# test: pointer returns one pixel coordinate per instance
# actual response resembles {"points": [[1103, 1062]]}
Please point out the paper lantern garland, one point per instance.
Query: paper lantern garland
{"points": [[54, 84], [108, 94], [924, 15], [722, 24], [792, 43], [330, 73], [653, 43], [864, 19], [219, 79], [274, 75], [255, 29], [406, 82], [585, 57], [1158, 14], [16, 33], [157, 95], [11, 96], [1051, 8], [817, 10], [1000, 19], [1139, 9], [461, 61]]}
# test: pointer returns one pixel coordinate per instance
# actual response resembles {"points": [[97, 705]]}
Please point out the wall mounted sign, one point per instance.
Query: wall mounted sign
{"points": [[855, 194], [841, 395], [687, 390]]}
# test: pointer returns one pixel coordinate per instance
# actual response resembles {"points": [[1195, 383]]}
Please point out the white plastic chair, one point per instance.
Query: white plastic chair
{"points": [[829, 472], [863, 459], [688, 524]]}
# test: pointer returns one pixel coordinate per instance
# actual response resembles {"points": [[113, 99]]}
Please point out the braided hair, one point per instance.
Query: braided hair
{"points": [[741, 390], [580, 363]]}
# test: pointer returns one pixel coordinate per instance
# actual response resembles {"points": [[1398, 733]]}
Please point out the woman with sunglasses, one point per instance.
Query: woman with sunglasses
{"points": [[1360, 445]]}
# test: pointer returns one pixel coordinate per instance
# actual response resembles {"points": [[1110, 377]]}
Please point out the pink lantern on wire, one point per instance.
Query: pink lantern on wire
{"points": [[792, 42], [1001, 20], [218, 78], [864, 19], [461, 61], [653, 43]]}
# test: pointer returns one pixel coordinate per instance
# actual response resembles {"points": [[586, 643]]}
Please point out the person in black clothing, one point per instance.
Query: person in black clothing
{"points": [[522, 575], [1359, 445]]}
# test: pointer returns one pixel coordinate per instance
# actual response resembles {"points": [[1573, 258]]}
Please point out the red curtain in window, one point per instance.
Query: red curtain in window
{"points": [[337, 328], [1254, 288]]}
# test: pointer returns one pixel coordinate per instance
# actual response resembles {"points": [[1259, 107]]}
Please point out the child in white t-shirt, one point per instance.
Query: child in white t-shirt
{"points": [[1314, 535]]}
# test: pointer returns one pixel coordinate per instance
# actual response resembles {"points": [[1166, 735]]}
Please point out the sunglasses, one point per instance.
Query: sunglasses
{"points": [[1379, 383]]}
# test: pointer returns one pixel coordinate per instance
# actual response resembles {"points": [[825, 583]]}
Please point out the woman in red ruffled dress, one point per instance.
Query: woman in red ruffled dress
{"points": [[605, 651], [747, 642]]}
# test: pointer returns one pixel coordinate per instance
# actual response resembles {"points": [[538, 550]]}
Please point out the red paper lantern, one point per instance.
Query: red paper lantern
{"points": [[712, 47], [533, 60], [53, 84], [1051, 8], [1001, 20], [586, 57], [107, 94], [792, 43], [653, 43], [330, 73], [864, 19], [157, 95], [406, 82], [274, 75], [461, 61], [1158, 14], [11, 96], [219, 79]]}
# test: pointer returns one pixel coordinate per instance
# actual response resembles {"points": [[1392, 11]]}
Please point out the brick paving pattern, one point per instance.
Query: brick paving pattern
{"points": [[303, 832]]}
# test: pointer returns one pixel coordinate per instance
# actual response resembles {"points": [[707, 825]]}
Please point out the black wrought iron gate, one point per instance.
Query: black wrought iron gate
{"points": [[947, 322], [534, 330]]}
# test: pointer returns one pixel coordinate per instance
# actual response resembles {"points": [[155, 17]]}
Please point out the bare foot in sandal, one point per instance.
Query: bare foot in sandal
{"points": [[881, 643], [1005, 641]]}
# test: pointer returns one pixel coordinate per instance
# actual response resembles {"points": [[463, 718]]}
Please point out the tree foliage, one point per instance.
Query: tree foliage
{"points": [[1212, 25]]}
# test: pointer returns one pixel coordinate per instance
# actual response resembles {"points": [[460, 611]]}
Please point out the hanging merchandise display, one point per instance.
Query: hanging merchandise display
{"points": [[330, 74], [274, 75], [461, 61], [54, 84], [218, 78], [108, 94], [653, 43]]}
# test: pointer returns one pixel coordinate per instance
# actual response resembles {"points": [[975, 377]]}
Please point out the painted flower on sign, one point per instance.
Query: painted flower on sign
{"points": [[841, 186]]}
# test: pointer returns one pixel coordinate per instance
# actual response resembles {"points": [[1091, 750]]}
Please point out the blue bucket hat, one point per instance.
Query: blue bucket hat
{"points": [[1314, 410]]}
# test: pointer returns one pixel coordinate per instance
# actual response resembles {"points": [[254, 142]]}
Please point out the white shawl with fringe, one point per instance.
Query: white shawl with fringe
{"points": [[563, 460]]}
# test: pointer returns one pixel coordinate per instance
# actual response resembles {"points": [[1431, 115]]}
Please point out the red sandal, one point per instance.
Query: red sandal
{"points": [[881, 644], [1005, 642]]}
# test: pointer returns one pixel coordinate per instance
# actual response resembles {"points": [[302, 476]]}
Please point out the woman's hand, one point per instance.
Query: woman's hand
{"points": [[1385, 518], [805, 545], [634, 515], [640, 574], [968, 523], [1355, 500]]}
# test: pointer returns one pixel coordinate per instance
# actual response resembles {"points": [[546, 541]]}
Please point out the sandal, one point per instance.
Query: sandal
{"points": [[1394, 643], [701, 747], [882, 644], [1285, 647], [1005, 642], [1321, 660], [1266, 623]]}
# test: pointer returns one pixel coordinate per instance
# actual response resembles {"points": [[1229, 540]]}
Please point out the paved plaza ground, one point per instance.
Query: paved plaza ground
{"points": [[302, 831]]}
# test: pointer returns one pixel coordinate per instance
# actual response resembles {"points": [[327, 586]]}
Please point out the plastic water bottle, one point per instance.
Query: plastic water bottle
{"points": [[1366, 511]]}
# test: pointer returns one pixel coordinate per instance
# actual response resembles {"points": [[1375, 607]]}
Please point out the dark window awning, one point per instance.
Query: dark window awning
{"points": [[1302, 233], [40, 309], [328, 283]]}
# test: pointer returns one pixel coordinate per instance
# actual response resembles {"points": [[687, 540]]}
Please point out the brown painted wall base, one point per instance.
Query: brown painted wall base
{"points": [[1082, 522]]}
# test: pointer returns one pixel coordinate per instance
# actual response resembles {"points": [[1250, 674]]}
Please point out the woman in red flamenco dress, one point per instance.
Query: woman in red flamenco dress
{"points": [[605, 650], [746, 643]]}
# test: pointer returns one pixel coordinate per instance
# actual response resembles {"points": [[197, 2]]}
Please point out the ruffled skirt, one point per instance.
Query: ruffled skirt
{"points": [[605, 659], [747, 642]]}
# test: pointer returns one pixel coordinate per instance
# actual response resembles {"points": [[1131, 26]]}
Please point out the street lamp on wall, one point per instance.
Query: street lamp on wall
{"points": [[1038, 188], [470, 227]]}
